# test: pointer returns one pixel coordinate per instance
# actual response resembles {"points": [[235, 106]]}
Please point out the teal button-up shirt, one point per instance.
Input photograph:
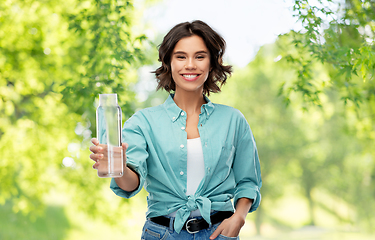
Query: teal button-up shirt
{"points": [[157, 152]]}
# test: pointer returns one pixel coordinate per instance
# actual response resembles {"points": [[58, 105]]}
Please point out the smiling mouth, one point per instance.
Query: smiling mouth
{"points": [[190, 77]]}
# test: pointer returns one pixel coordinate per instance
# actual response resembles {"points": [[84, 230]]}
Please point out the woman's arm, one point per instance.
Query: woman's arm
{"points": [[231, 227], [130, 180]]}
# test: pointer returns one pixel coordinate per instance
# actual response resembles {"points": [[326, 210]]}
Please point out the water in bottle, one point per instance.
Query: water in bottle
{"points": [[108, 130]]}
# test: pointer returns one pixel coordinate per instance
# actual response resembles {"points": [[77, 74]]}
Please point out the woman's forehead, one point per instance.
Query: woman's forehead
{"points": [[190, 44]]}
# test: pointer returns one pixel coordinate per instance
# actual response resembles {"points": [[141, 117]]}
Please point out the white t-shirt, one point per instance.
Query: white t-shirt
{"points": [[195, 170], [195, 165]]}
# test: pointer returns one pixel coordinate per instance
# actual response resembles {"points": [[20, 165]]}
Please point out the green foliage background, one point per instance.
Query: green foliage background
{"points": [[309, 99], [55, 58]]}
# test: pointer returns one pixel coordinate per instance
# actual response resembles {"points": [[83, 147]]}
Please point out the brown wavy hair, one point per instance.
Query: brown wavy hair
{"points": [[214, 43]]}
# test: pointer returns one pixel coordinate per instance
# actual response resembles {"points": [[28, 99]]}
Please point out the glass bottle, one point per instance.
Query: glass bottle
{"points": [[108, 132]]}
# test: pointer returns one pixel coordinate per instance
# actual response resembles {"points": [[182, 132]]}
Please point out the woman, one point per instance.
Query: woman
{"points": [[192, 156]]}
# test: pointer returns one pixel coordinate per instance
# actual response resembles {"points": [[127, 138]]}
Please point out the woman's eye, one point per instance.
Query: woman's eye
{"points": [[181, 57], [200, 57]]}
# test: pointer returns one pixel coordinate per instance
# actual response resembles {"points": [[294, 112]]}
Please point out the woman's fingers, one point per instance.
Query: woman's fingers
{"points": [[216, 233], [96, 165], [96, 149], [96, 156], [99, 152], [125, 146], [94, 141]]}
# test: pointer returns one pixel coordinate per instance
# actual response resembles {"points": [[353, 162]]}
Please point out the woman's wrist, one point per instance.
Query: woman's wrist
{"points": [[129, 180], [242, 207], [239, 217]]}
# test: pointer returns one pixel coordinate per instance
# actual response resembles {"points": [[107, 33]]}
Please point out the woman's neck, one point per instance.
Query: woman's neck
{"points": [[190, 102]]}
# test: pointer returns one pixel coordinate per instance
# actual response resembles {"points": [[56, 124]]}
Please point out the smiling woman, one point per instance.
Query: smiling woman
{"points": [[190, 64], [192, 156], [211, 47]]}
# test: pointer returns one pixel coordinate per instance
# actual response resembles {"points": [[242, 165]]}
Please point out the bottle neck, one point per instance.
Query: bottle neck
{"points": [[108, 99]]}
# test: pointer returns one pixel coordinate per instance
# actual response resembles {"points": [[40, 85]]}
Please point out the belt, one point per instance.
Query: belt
{"points": [[194, 225]]}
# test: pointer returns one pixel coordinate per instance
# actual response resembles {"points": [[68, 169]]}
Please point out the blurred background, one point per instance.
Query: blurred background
{"points": [[303, 77]]}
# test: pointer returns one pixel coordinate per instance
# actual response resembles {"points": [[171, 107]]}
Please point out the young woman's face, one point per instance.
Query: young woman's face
{"points": [[190, 64]]}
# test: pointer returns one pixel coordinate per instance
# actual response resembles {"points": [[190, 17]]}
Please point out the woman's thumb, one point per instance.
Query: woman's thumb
{"points": [[124, 147]]}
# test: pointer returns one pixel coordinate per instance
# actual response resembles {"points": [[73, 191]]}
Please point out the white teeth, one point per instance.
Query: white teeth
{"points": [[190, 76]]}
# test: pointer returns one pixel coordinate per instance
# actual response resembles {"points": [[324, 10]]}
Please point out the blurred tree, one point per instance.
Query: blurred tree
{"points": [[55, 58], [253, 90], [340, 35], [305, 148]]}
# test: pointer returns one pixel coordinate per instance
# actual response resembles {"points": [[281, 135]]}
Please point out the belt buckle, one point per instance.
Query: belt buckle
{"points": [[187, 226]]}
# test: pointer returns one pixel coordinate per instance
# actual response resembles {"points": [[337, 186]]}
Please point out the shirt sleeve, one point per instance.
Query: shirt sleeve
{"points": [[136, 155], [246, 168]]}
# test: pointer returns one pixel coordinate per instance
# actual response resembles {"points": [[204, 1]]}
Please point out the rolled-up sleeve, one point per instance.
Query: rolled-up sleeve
{"points": [[246, 169], [136, 155]]}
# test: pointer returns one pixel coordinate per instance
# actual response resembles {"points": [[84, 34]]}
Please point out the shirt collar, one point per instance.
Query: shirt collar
{"points": [[174, 112], [209, 107]]}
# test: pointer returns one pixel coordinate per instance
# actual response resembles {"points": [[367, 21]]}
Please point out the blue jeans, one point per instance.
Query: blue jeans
{"points": [[153, 231]]}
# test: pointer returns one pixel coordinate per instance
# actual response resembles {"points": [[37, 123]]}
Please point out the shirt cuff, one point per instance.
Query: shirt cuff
{"points": [[252, 193]]}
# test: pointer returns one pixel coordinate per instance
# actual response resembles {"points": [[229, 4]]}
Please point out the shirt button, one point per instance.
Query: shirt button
{"points": [[208, 113], [182, 128], [182, 146], [182, 114], [181, 173], [173, 118]]}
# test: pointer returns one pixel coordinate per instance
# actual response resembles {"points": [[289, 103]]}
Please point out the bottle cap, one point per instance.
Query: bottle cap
{"points": [[108, 99]]}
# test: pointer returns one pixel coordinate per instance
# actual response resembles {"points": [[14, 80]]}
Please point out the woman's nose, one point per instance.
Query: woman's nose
{"points": [[190, 64]]}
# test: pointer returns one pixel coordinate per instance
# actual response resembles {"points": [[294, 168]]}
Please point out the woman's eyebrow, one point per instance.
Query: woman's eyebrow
{"points": [[182, 52], [200, 52], [179, 52]]}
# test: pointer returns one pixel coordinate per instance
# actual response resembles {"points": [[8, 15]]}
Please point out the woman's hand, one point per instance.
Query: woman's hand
{"points": [[97, 152], [230, 227], [100, 154], [129, 180]]}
